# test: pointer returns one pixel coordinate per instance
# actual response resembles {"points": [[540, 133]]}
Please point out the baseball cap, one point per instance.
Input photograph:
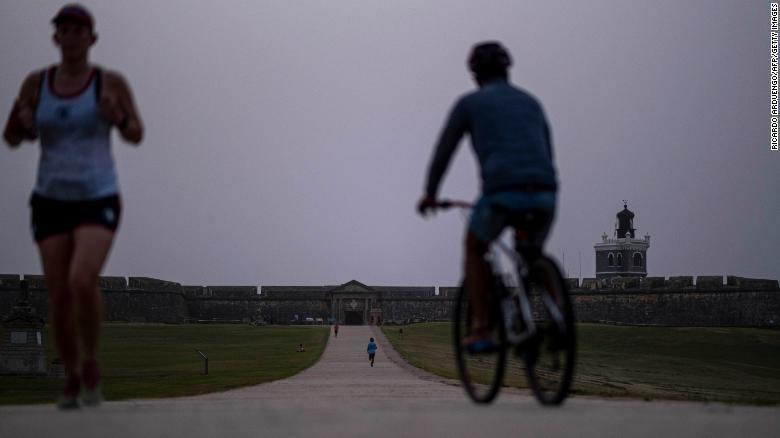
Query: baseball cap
{"points": [[74, 13]]}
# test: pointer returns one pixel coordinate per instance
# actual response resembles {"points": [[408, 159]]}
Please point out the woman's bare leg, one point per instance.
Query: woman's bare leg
{"points": [[55, 252], [91, 245]]}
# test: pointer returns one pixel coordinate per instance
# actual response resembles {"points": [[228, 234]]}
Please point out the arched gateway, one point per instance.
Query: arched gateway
{"points": [[354, 303]]}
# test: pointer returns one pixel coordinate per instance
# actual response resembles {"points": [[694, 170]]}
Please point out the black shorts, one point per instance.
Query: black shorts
{"points": [[50, 216], [371, 356]]}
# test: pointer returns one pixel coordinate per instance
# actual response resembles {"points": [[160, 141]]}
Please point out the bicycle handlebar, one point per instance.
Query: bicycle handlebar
{"points": [[446, 204]]}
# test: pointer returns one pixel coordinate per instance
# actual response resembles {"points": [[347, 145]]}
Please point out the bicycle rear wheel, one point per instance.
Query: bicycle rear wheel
{"points": [[550, 355], [481, 373]]}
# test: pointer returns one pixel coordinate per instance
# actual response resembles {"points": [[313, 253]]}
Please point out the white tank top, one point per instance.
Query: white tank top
{"points": [[76, 162]]}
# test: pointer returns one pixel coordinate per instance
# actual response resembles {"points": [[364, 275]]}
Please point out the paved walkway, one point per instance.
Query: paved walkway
{"points": [[343, 374], [342, 396]]}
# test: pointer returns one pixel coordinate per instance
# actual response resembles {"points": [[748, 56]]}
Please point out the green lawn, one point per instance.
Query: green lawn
{"points": [[734, 365], [153, 361]]}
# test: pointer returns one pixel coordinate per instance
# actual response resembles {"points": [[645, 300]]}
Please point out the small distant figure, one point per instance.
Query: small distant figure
{"points": [[401, 332], [336, 330], [300, 348], [371, 350]]}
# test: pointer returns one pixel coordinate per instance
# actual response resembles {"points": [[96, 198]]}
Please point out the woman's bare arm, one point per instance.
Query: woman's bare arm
{"points": [[21, 120], [119, 107]]}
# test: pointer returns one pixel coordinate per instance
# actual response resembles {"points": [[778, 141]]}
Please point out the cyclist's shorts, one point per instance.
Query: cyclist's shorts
{"points": [[51, 216], [492, 213]]}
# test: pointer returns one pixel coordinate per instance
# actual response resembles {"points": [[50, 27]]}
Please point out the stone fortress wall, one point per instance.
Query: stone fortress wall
{"points": [[673, 301]]}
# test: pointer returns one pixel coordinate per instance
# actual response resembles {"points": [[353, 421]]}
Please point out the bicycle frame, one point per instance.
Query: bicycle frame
{"points": [[518, 292]]}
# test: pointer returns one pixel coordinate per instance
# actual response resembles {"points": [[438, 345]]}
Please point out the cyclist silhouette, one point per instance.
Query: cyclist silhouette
{"points": [[511, 138]]}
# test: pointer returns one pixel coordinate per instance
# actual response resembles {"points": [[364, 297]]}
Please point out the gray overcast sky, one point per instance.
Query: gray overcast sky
{"points": [[287, 142]]}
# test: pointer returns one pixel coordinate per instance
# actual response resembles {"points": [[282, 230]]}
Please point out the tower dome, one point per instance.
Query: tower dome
{"points": [[625, 220]]}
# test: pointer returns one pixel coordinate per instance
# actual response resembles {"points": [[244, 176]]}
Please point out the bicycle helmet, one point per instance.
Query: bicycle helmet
{"points": [[489, 56]]}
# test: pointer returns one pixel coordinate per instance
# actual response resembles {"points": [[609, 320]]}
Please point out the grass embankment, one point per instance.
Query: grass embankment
{"points": [[734, 365], [153, 361]]}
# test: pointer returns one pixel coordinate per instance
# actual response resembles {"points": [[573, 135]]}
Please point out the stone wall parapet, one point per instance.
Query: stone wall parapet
{"points": [[677, 283], [751, 283], [147, 283], [652, 282], [8, 281], [113, 283], [35, 281], [406, 291], [706, 298], [232, 292], [709, 282]]}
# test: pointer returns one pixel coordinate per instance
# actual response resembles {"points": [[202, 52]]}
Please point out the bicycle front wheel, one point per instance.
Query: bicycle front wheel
{"points": [[480, 372], [550, 355]]}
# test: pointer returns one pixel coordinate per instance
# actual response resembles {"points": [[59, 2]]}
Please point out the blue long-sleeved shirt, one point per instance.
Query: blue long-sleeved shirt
{"points": [[371, 348], [509, 134]]}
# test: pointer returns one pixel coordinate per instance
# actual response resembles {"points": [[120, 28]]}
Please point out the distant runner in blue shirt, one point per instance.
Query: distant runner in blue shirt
{"points": [[371, 350], [511, 140]]}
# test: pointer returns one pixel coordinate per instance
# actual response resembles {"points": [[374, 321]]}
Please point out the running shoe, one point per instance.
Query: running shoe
{"points": [[91, 394], [69, 399], [92, 397]]}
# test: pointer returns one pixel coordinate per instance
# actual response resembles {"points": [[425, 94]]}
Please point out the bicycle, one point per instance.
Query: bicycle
{"points": [[533, 318]]}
